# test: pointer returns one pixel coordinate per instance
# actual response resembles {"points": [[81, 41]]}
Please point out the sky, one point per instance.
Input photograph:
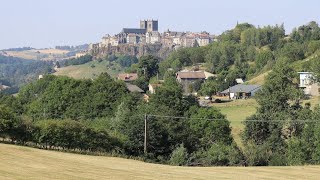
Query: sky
{"points": [[47, 23]]}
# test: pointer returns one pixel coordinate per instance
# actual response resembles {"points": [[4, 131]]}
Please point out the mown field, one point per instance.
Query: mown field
{"points": [[238, 110], [18, 162], [88, 70], [39, 54]]}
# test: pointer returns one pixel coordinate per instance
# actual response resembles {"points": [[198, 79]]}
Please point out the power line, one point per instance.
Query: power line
{"points": [[252, 120]]}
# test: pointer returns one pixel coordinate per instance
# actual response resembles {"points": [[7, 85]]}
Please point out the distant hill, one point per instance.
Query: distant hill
{"points": [[37, 54], [16, 71], [46, 54]]}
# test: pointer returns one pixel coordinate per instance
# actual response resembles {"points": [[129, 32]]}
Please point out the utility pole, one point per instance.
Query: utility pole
{"points": [[145, 133]]}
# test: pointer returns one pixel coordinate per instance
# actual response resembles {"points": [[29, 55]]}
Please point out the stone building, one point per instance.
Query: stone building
{"points": [[153, 37], [203, 39], [188, 78], [149, 25]]}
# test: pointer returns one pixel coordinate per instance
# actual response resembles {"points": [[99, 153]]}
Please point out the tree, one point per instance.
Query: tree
{"points": [[148, 66], [209, 87], [211, 127], [316, 68], [179, 156], [278, 91]]}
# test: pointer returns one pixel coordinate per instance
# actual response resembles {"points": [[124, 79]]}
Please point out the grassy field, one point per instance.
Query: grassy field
{"points": [[18, 162], [237, 111], [88, 70], [259, 79], [38, 54]]}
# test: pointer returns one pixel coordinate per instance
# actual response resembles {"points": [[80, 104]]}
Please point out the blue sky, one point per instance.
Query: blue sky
{"points": [[46, 23]]}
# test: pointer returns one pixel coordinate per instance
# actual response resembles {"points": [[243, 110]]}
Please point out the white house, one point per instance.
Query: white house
{"points": [[307, 84]]}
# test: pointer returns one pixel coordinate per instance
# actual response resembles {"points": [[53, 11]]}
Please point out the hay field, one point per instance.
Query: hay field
{"points": [[39, 54], [87, 71], [236, 112], [18, 162]]}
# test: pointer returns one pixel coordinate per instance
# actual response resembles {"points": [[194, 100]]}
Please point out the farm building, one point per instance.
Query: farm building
{"points": [[188, 78], [241, 91]]}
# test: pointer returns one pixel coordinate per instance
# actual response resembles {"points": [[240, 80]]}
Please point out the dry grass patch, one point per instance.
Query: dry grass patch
{"points": [[27, 163]]}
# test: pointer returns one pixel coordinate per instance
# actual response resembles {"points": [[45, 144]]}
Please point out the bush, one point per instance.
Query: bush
{"points": [[219, 155], [257, 155], [179, 156]]}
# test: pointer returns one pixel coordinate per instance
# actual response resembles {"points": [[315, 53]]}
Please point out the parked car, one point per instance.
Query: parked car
{"points": [[208, 98]]}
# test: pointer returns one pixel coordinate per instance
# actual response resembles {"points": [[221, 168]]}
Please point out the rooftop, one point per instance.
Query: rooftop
{"points": [[128, 76], [242, 88], [134, 88], [191, 75], [133, 31]]}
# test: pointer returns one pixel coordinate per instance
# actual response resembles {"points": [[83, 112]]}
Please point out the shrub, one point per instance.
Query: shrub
{"points": [[179, 156]]}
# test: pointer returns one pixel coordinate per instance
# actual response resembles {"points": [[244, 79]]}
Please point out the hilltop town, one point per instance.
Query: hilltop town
{"points": [[148, 40]]}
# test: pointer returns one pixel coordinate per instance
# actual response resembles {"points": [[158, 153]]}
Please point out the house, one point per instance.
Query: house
{"points": [[128, 77], [153, 37], [3, 87], [308, 85], [241, 91], [132, 38], [188, 78], [133, 88], [153, 87]]}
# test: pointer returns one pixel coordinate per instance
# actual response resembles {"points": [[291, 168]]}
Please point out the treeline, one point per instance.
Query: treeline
{"points": [[104, 110], [19, 49], [53, 134], [62, 113], [16, 71], [77, 61], [73, 48], [283, 131], [247, 51]]}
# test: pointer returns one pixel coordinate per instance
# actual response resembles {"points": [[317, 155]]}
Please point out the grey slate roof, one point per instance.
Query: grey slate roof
{"points": [[133, 30], [242, 88], [134, 88]]}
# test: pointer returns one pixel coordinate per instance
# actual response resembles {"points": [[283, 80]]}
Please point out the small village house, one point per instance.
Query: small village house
{"points": [[187, 78], [309, 86], [241, 91]]}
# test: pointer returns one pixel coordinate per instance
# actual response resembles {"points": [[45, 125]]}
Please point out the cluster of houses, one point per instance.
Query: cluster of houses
{"points": [[187, 78], [148, 34], [238, 91]]}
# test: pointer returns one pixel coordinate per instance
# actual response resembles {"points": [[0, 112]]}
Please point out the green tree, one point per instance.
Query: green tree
{"points": [[274, 101], [179, 156]]}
